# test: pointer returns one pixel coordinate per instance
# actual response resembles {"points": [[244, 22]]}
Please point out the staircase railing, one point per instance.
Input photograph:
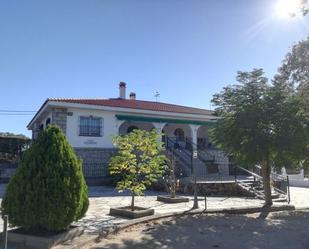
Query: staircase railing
{"points": [[280, 183], [202, 154], [246, 172], [183, 155]]}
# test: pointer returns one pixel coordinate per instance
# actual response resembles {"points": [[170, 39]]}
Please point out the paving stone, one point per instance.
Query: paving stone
{"points": [[98, 220]]}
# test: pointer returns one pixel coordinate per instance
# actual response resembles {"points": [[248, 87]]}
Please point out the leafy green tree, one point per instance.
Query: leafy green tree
{"points": [[294, 71], [290, 133], [258, 124], [139, 161], [303, 7], [293, 74], [48, 191]]}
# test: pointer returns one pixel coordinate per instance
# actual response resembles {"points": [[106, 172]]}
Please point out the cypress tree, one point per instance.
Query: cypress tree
{"points": [[48, 191]]}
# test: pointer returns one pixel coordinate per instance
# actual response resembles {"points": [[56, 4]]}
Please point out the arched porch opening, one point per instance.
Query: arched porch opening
{"points": [[180, 134], [203, 140], [128, 126]]}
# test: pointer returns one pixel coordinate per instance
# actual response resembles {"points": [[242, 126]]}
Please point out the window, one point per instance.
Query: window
{"points": [[47, 123], [90, 126]]}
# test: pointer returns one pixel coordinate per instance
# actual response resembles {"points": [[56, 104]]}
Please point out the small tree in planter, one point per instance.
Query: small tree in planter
{"points": [[171, 183], [139, 162], [48, 191]]}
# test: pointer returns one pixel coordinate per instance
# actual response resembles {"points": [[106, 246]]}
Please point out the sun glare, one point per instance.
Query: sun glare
{"points": [[287, 8]]}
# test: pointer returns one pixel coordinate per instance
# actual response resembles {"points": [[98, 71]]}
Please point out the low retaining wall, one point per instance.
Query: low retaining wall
{"points": [[18, 239], [300, 183], [6, 171], [210, 189], [214, 189]]}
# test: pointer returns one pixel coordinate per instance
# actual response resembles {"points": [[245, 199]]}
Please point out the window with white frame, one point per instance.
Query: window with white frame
{"points": [[90, 126]]}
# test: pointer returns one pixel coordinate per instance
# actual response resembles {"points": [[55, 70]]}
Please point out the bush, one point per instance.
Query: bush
{"points": [[48, 191]]}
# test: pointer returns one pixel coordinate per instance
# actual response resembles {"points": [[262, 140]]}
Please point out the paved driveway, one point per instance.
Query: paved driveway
{"points": [[102, 198], [280, 230], [300, 197]]}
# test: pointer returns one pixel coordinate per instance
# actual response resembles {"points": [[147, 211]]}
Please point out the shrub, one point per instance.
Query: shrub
{"points": [[48, 191]]}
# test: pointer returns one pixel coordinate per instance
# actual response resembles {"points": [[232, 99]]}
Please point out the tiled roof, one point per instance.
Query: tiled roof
{"points": [[137, 104]]}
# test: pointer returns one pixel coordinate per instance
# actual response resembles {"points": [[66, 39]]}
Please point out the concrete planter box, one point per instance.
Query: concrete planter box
{"points": [[128, 213], [26, 240], [168, 199]]}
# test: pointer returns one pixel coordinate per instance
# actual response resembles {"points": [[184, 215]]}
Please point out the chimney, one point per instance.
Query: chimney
{"points": [[133, 96], [122, 90]]}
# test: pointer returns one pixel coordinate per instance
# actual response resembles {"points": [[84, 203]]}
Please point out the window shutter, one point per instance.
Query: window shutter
{"points": [[101, 127], [78, 128]]}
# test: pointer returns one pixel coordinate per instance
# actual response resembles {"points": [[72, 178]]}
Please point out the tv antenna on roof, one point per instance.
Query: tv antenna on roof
{"points": [[157, 95]]}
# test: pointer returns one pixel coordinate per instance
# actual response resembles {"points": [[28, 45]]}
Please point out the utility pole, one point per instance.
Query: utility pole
{"points": [[195, 203]]}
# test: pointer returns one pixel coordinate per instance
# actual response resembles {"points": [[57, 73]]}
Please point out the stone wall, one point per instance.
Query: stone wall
{"points": [[35, 130], [95, 161], [214, 189], [221, 160], [59, 118], [6, 171], [228, 189]]}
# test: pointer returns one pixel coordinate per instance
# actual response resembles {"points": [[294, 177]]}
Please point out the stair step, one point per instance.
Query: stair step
{"points": [[275, 195], [281, 199], [258, 191]]}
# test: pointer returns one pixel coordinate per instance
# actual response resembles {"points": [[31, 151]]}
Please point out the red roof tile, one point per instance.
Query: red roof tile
{"points": [[137, 104]]}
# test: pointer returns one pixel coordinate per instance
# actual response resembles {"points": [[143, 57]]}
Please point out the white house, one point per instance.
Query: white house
{"points": [[90, 124]]}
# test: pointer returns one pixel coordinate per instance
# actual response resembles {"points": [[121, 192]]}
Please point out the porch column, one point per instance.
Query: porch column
{"points": [[194, 129], [118, 124], [159, 127]]}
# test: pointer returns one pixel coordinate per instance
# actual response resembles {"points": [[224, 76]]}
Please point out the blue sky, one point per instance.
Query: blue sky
{"points": [[185, 49]]}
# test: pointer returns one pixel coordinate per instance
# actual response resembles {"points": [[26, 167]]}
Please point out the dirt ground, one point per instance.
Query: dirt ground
{"points": [[280, 230]]}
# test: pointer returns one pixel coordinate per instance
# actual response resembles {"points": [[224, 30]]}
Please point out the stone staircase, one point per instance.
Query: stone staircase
{"points": [[183, 162], [255, 188], [204, 165], [211, 163]]}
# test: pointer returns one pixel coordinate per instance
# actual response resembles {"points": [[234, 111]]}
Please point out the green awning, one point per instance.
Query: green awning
{"points": [[163, 120]]}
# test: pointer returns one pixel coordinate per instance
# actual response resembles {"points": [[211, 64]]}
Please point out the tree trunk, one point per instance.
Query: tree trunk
{"points": [[173, 190], [132, 202], [173, 178], [266, 181]]}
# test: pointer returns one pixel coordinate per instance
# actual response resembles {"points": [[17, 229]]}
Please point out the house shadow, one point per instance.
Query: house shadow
{"points": [[284, 230]]}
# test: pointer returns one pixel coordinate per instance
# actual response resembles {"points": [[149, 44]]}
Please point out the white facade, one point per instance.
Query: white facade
{"points": [[187, 127], [109, 128]]}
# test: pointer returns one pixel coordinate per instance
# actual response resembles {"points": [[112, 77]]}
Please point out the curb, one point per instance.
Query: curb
{"points": [[302, 208], [86, 239]]}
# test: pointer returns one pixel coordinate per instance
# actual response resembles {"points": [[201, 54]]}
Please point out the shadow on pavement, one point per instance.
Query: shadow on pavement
{"points": [[284, 230]]}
